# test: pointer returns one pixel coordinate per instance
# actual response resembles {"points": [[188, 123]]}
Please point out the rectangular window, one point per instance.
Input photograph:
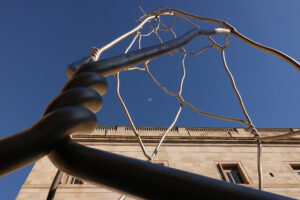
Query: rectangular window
{"points": [[296, 168], [75, 181], [232, 173], [70, 180]]}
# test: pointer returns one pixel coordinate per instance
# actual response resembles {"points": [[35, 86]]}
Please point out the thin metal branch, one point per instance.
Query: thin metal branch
{"points": [[122, 197], [234, 87], [155, 81], [54, 185], [189, 105], [183, 71], [270, 50], [167, 10], [259, 165], [157, 36], [153, 29], [171, 26], [200, 51], [226, 41], [124, 106], [167, 131], [215, 116], [142, 10], [129, 117], [135, 68], [137, 28], [180, 90], [157, 9], [138, 35], [171, 29], [140, 41], [132, 42], [186, 20], [179, 110]]}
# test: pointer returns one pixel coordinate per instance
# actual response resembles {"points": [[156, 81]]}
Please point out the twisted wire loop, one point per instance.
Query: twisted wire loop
{"points": [[72, 111]]}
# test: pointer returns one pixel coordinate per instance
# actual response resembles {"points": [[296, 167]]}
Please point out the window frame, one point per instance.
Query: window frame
{"points": [[296, 172], [240, 169], [70, 180]]}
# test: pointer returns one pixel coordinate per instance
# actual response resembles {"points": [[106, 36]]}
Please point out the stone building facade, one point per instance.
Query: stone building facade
{"points": [[228, 154]]}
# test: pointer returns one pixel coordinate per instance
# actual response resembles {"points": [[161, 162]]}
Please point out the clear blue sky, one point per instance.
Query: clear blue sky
{"points": [[38, 39]]}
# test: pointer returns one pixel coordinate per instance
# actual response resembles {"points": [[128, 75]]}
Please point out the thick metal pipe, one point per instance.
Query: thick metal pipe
{"points": [[84, 97], [119, 63], [90, 80], [144, 179]]}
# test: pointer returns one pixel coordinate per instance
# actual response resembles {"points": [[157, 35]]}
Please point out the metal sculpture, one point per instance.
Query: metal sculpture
{"points": [[72, 111]]}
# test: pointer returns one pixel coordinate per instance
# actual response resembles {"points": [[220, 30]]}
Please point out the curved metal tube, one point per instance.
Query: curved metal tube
{"points": [[144, 179], [84, 97]]}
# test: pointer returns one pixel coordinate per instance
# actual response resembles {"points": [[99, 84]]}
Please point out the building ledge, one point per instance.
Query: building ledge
{"points": [[121, 134]]}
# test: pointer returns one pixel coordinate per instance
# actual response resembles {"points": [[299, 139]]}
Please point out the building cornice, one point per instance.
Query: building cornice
{"points": [[237, 135]]}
